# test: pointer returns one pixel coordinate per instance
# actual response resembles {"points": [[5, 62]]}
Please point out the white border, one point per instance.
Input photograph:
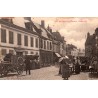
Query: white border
{"points": [[50, 89]]}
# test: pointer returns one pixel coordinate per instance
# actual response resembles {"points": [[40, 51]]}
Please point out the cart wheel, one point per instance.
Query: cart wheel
{"points": [[20, 69], [20, 61]]}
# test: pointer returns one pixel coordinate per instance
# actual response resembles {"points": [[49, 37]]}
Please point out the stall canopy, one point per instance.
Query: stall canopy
{"points": [[31, 57]]}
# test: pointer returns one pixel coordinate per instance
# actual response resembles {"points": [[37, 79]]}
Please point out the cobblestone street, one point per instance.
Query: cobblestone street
{"points": [[49, 73]]}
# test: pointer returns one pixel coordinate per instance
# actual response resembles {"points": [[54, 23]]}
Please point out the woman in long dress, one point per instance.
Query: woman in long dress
{"points": [[77, 68], [65, 69]]}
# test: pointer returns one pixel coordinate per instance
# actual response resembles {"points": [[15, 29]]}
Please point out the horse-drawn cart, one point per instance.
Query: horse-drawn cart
{"points": [[12, 63]]}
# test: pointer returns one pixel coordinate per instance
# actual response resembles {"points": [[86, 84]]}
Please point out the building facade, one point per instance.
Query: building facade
{"points": [[90, 47], [28, 37], [17, 40], [45, 44], [58, 46]]}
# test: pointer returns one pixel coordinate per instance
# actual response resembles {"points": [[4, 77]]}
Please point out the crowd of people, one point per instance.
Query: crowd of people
{"points": [[67, 65], [74, 65]]}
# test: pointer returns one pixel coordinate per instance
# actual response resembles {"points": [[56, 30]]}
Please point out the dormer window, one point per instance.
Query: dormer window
{"points": [[28, 26]]}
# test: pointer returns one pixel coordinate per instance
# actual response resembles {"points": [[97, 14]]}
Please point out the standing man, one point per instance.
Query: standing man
{"points": [[28, 66]]}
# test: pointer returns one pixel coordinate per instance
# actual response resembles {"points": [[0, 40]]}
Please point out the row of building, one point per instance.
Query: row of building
{"points": [[31, 38], [91, 44]]}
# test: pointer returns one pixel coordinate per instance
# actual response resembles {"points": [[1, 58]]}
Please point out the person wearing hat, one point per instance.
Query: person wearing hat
{"points": [[28, 65], [65, 68], [77, 66]]}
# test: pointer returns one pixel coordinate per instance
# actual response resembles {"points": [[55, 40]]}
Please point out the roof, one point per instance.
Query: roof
{"points": [[57, 36], [17, 27], [90, 40], [44, 32], [33, 28]]}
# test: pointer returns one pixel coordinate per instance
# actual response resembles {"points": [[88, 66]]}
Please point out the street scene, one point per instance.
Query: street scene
{"points": [[48, 48], [49, 73]]}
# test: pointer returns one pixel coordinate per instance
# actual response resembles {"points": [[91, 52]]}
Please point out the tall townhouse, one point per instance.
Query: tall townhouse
{"points": [[58, 46], [91, 44], [17, 39], [45, 44]]}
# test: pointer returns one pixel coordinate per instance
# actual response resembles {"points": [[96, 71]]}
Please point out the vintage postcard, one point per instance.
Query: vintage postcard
{"points": [[48, 48]]}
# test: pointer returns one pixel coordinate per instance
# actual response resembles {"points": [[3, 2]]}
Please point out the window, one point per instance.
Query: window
{"points": [[3, 35], [41, 43], [11, 37], [19, 39], [32, 42], [11, 51], [3, 51], [48, 45], [32, 52], [26, 40], [36, 42], [44, 44], [26, 52]]}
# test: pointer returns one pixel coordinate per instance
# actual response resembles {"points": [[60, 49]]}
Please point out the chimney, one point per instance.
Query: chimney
{"points": [[88, 34], [43, 23], [27, 18], [48, 28], [51, 30]]}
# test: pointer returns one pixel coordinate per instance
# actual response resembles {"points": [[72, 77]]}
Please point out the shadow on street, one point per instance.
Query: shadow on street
{"points": [[93, 75]]}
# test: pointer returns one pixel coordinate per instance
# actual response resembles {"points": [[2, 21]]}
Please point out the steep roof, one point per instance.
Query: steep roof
{"points": [[28, 26], [57, 36], [44, 32], [17, 27], [90, 40]]}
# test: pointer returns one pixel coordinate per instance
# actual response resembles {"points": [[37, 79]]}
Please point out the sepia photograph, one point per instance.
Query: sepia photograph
{"points": [[43, 43], [48, 48]]}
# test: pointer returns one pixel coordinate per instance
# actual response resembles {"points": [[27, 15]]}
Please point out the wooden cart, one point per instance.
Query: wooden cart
{"points": [[12, 63]]}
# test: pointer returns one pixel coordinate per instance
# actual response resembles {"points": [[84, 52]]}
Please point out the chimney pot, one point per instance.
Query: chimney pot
{"points": [[43, 23]]}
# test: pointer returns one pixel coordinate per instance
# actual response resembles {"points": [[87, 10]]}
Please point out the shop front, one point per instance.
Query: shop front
{"points": [[46, 58]]}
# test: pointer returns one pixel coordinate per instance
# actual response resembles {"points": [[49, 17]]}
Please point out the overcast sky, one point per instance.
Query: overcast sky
{"points": [[73, 29]]}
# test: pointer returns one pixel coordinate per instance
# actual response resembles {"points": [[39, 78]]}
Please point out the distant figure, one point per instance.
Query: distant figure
{"points": [[77, 67], [60, 69], [37, 63], [28, 66], [93, 67]]}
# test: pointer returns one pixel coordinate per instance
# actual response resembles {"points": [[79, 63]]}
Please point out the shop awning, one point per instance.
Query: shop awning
{"points": [[57, 54], [19, 49]]}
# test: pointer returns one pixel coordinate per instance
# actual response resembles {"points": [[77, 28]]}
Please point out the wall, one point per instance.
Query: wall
{"points": [[12, 46]]}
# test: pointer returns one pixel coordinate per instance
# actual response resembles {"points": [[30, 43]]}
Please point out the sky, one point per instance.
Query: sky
{"points": [[74, 29]]}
